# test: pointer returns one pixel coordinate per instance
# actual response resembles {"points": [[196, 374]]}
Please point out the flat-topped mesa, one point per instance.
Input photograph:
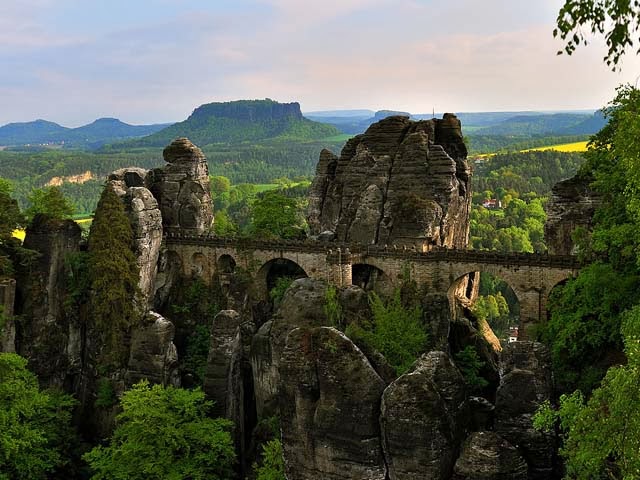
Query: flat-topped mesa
{"points": [[182, 188], [402, 182]]}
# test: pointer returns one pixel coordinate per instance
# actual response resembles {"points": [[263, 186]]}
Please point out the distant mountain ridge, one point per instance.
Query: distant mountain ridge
{"points": [[525, 123], [241, 121], [95, 134]]}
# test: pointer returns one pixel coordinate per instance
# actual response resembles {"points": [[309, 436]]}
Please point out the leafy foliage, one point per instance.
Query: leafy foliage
{"points": [[332, 307], [275, 215], [617, 20], [272, 465], [164, 433], [195, 360], [584, 329], [49, 201], [602, 435], [35, 425], [395, 331], [470, 365], [113, 275], [277, 292], [105, 394]]}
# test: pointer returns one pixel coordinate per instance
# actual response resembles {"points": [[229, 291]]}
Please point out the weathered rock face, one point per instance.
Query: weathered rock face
{"points": [[47, 337], [401, 182], [573, 203], [487, 456], [227, 378], [421, 419], [182, 188], [131, 184], [525, 384], [329, 408], [8, 328], [153, 356]]}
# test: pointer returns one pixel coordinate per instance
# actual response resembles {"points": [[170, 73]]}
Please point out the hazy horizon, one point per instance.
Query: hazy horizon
{"points": [[154, 61]]}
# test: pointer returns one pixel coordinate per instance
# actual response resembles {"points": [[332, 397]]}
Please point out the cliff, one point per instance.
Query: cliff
{"points": [[401, 182], [572, 205]]}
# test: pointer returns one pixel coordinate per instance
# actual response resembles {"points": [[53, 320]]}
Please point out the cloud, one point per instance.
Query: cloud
{"points": [[63, 61]]}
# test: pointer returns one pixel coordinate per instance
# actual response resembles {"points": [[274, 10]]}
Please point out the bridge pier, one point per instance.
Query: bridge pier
{"points": [[533, 311], [340, 268]]}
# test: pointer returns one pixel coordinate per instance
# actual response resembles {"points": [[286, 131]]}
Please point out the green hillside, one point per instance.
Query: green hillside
{"points": [[241, 121]]}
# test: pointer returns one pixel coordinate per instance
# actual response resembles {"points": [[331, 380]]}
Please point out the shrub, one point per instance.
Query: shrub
{"points": [[470, 365], [395, 331], [165, 433]]}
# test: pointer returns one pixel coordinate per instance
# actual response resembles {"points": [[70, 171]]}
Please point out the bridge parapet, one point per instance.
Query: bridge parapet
{"points": [[360, 250]]}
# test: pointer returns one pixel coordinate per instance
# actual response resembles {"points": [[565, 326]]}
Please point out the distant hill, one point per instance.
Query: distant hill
{"points": [[546, 124], [352, 121], [95, 134], [241, 121]]}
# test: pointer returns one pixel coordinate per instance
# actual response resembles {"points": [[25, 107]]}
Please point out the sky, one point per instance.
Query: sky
{"points": [[154, 61]]}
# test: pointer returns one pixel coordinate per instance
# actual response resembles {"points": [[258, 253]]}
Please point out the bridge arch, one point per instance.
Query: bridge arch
{"points": [[496, 303], [268, 274], [225, 264], [370, 277]]}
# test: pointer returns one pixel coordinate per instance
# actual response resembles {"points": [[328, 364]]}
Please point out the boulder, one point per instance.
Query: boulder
{"points": [[182, 188], [422, 419], [153, 356], [329, 408], [401, 182], [488, 456]]}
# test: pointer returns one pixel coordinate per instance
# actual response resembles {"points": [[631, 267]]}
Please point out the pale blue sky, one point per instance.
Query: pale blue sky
{"points": [[143, 61]]}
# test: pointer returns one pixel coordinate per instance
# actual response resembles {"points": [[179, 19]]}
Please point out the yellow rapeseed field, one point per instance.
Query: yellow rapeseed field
{"points": [[564, 147]]}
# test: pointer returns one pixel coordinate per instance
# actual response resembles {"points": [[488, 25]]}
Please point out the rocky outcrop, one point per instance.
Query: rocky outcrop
{"points": [[572, 205], [525, 384], [153, 356], [329, 408], [401, 182], [7, 322], [131, 184], [422, 422], [182, 188], [227, 379], [46, 335], [487, 456]]}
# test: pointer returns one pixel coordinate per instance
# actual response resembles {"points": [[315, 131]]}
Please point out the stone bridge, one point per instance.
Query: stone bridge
{"points": [[531, 276]]}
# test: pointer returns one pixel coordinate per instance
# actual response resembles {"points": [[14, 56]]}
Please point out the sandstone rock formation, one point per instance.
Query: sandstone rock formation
{"points": [[49, 338], [182, 188], [8, 327], [131, 184], [401, 182], [153, 356], [422, 421], [329, 408], [487, 456], [572, 205], [525, 384]]}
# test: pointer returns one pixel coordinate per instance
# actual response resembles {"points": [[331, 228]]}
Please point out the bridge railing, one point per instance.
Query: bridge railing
{"points": [[436, 254]]}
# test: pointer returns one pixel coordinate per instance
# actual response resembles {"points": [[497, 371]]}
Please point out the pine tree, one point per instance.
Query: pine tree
{"points": [[113, 276]]}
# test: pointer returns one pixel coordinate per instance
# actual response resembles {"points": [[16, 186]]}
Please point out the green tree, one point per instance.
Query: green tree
{"points": [[602, 436], [223, 226], [617, 20], [395, 331], [113, 275], [35, 425], [275, 215], [165, 433], [10, 216], [49, 201]]}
